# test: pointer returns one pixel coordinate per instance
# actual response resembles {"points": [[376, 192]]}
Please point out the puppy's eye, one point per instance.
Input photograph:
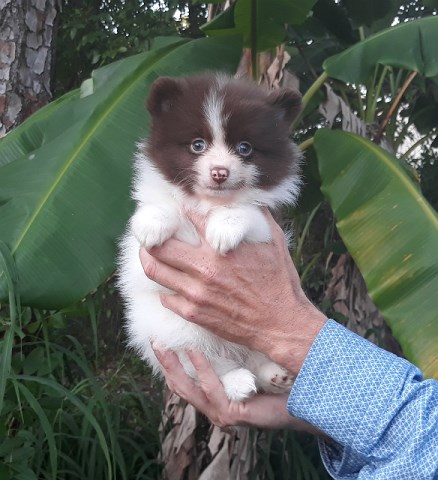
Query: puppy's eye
{"points": [[244, 149], [198, 146]]}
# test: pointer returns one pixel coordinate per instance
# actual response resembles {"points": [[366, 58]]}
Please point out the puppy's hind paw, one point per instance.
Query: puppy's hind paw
{"points": [[282, 380], [274, 379]]}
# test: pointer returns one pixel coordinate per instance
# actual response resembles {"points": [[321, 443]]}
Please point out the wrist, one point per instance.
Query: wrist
{"points": [[293, 342]]}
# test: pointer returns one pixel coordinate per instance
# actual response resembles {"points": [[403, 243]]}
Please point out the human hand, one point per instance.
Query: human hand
{"points": [[251, 296], [208, 396]]}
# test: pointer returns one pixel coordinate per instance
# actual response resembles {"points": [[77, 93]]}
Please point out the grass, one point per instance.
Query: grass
{"points": [[63, 421], [65, 415]]}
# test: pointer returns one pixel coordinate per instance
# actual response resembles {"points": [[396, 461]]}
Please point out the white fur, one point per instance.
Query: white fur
{"points": [[212, 111], [232, 216]]}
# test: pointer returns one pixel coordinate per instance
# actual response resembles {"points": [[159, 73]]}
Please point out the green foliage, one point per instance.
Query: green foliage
{"points": [[61, 418], [288, 455], [367, 13], [261, 24], [93, 34], [391, 232], [58, 417], [429, 179], [405, 46]]}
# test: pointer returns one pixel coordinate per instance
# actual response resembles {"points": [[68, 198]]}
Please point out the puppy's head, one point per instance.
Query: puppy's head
{"points": [[217, 137]]}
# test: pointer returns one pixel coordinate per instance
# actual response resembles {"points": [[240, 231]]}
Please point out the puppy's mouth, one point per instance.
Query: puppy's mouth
{"points": [[224, 187], [219, 193]]}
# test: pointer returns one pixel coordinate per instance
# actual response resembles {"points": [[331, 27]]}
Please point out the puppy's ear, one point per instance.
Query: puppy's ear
{"points": [[288, 100], [163, 93]]}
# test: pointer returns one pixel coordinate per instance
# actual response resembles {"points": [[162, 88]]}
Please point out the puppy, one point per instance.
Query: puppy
{"points": [[220, 147]]}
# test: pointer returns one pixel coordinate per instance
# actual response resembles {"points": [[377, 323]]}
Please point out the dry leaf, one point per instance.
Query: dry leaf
{"points": [[179, 443], [272, 69], [333, 106]]}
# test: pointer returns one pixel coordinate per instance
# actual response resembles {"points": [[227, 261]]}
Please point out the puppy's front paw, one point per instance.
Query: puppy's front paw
{"points": [[155, 235], [239, 384], [153, 226], [224, 234]]}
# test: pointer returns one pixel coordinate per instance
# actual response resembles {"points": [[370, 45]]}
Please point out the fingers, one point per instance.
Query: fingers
{"points": [[169, 360], [208, 380], [208, 397], [266, 411], [186, 258], [162, 273], [180, 305], [176, 378]]}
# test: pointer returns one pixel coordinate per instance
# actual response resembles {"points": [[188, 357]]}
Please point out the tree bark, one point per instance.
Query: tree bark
{"points": [[348, 296], [194, 449], [26, 54]]}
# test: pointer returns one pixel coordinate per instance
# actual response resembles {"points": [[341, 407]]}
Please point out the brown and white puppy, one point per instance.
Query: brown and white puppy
{"points": [[220, 147]]}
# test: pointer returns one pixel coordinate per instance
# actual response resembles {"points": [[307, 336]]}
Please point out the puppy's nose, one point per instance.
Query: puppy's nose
{"points": [[219, 174]]}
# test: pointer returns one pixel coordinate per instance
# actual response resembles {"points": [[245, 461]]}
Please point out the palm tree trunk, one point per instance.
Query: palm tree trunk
{"points": [[194, 449], [348, 296]]}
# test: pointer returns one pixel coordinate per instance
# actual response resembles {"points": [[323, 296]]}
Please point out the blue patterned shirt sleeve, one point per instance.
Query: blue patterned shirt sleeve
{"points": [[380, 415]]}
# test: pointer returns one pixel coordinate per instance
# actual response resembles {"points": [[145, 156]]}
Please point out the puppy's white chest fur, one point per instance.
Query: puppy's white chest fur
{"points": [[195, 159]]}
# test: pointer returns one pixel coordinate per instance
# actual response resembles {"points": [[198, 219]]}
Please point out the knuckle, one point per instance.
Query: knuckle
{"points": [[221, 421], [198, 296], [190, 312], [208, 273]]}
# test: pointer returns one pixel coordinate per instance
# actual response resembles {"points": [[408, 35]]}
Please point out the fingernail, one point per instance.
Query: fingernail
{"points": [[157, 347]]}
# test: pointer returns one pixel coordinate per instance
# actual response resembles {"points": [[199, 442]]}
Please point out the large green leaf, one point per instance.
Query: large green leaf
{"points": [[409, 46], [391, 232], [222, 24], [64, 183]]}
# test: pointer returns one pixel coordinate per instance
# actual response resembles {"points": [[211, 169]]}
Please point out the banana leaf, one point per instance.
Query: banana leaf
{"points": [[31, 133], [391, 232], [65, 174], [409, 46]]}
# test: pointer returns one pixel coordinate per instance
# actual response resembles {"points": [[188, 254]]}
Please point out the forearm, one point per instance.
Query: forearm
{"points": [[382, 416]]}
